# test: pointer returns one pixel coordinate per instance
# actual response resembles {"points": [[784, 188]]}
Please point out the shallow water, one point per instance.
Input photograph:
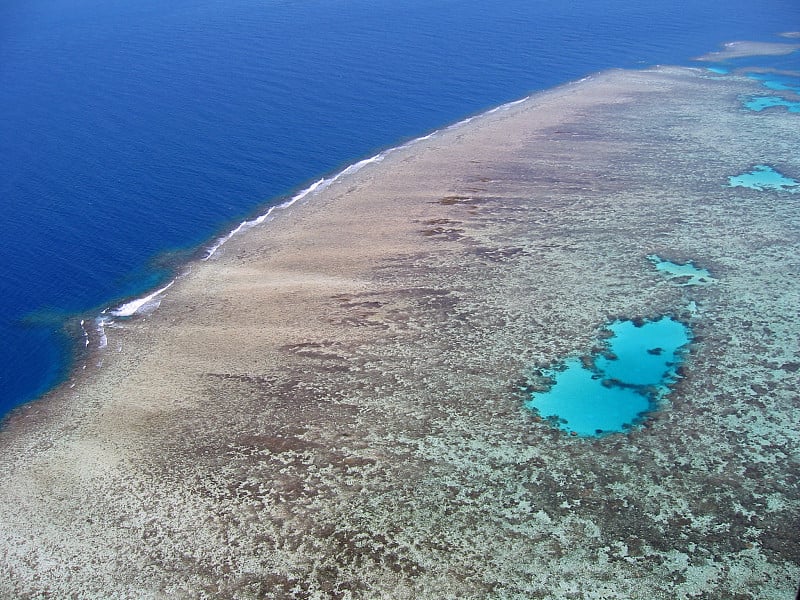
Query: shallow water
{"points": [[580, 402], [764, 177], [760, 103], [643, 354], [763, 102], [612, 391], [779, 82], [784, 81], [686, 274]]}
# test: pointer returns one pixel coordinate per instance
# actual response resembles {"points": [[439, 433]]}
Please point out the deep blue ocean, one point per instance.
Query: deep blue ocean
{"points": [[132, 133]]}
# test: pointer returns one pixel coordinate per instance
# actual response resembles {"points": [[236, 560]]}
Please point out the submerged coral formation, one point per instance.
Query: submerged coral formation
{"points": [[330, 406]]}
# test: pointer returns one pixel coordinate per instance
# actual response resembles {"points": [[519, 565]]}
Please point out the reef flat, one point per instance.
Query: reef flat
{"points": [[746, 49], [333, 405]]}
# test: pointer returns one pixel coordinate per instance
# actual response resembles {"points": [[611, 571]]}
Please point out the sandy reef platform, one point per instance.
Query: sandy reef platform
{"points": [[332, 406]]}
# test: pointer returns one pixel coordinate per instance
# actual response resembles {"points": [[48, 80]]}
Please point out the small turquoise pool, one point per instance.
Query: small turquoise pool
{"points": [[759, 103], [685, 274], [764, 177], [779, 82], [612, 390]]}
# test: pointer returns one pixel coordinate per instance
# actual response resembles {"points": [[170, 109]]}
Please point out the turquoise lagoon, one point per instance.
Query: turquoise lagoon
{"points": [[611, 390], [685, 274], [777, 82], [759, 103], [781, 80], [764, 177]]}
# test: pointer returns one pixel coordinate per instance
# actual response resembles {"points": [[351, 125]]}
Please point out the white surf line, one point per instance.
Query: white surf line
{"points": [[324, 183], [127, 309], [100, 324], [124, 310], [131, 308], [245, 225], [507, 105], [313, 189]]}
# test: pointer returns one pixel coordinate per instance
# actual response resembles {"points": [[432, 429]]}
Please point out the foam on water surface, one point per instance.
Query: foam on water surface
{"points": [[134, 306], [762, 178]]}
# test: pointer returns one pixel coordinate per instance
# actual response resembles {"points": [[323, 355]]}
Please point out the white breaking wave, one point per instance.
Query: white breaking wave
{"points": [[314, 188], [85, 333], [322, 184], [101, 323], [151, 301], [134, 306], [245, 225], [131, 308], [459, 124]]}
